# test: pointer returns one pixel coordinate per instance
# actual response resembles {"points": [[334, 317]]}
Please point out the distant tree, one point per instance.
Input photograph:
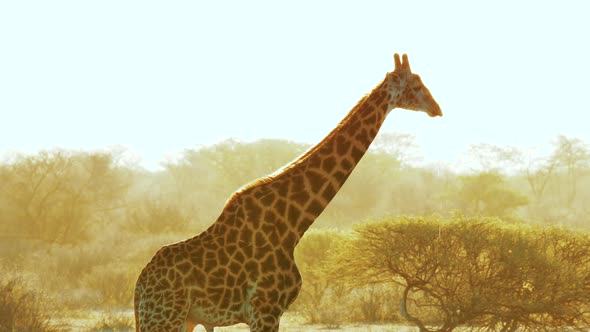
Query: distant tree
{"points": [[385, 182], [493, 158], [366, 190], [401, 146], [487, 194], [318, 300], [416, 191], [54, 195], [476, 272], [573, 155], [538, 173], [237, 163], [152, 216], [204, 178]]}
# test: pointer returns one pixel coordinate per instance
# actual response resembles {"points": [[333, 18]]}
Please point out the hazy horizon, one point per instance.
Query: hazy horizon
{"points": [[157, 79]]}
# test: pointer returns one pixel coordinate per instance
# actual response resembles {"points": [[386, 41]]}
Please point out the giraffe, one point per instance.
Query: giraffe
{"points": [[241, 269]]}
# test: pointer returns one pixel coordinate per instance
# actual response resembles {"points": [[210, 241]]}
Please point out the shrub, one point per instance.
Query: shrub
{"points": [[480, 272], [321, 300], [21, 309], [151, 216], [375, 303], [113, 283]]}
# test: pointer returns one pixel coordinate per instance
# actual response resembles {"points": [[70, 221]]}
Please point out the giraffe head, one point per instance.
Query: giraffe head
{"points": [[408, 91]]}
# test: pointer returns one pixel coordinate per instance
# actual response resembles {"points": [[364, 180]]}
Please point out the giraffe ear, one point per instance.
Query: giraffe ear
{"points": [[398, 63], [406, 63]]}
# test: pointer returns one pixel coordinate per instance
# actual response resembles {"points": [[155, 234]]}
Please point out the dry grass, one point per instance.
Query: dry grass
{"points": [[122, 321], [115, 322], [22, 309]]}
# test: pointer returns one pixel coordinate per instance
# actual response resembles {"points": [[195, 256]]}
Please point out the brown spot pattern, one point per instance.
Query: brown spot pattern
{"points": [[246, 259]]}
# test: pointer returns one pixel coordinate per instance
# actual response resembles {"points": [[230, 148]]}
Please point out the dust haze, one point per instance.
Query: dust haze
{"points": [[78, 226]]}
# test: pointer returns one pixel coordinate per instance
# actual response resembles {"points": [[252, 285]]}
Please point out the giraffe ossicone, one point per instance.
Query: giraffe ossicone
{"points": [[241, 269]]}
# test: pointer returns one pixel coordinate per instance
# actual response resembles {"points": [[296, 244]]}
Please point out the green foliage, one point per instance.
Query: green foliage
{"points": [[202, 180], [476, 271], [320, 298], [231, 164], [487, 194], [54, 196], [326, 298], [374, 303], [151, 216]]}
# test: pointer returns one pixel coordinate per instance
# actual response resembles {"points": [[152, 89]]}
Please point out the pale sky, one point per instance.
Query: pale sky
{"points": [[160, 76]]}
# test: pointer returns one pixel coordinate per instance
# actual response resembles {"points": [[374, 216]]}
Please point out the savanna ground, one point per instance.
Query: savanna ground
{"points": [[104, 321], [77, 227]]}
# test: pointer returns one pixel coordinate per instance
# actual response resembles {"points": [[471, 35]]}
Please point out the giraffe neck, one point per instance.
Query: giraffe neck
{"points": [[286, 203], [311, 181], [327, 165]]}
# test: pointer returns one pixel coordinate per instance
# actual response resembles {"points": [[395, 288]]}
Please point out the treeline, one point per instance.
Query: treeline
{"points": [[81, 225], [61, 196]]}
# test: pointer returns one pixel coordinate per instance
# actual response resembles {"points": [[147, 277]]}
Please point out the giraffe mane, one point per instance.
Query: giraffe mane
{"points": [[288, 168]]}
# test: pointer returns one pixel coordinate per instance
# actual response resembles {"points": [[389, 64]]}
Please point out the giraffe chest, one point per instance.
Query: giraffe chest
{"points": [[246, 289], [280, 286], [271, 277]]}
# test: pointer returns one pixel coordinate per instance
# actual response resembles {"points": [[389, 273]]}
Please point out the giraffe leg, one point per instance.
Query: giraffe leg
{"points": [[265, 322], [170, 325], [164, 312], [265, 326]]}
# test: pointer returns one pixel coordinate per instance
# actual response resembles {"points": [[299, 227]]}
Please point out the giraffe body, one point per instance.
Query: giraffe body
{"points": [[241, 269]]}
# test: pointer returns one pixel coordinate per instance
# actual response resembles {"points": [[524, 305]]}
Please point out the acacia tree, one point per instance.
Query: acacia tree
{"points": [[52, 196], [493, 158], [485, 274], [319, 294], [402, 147], [236, 163], [487, 194], [538, 173], [573, 155], [556, 180], [209, 174]]}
